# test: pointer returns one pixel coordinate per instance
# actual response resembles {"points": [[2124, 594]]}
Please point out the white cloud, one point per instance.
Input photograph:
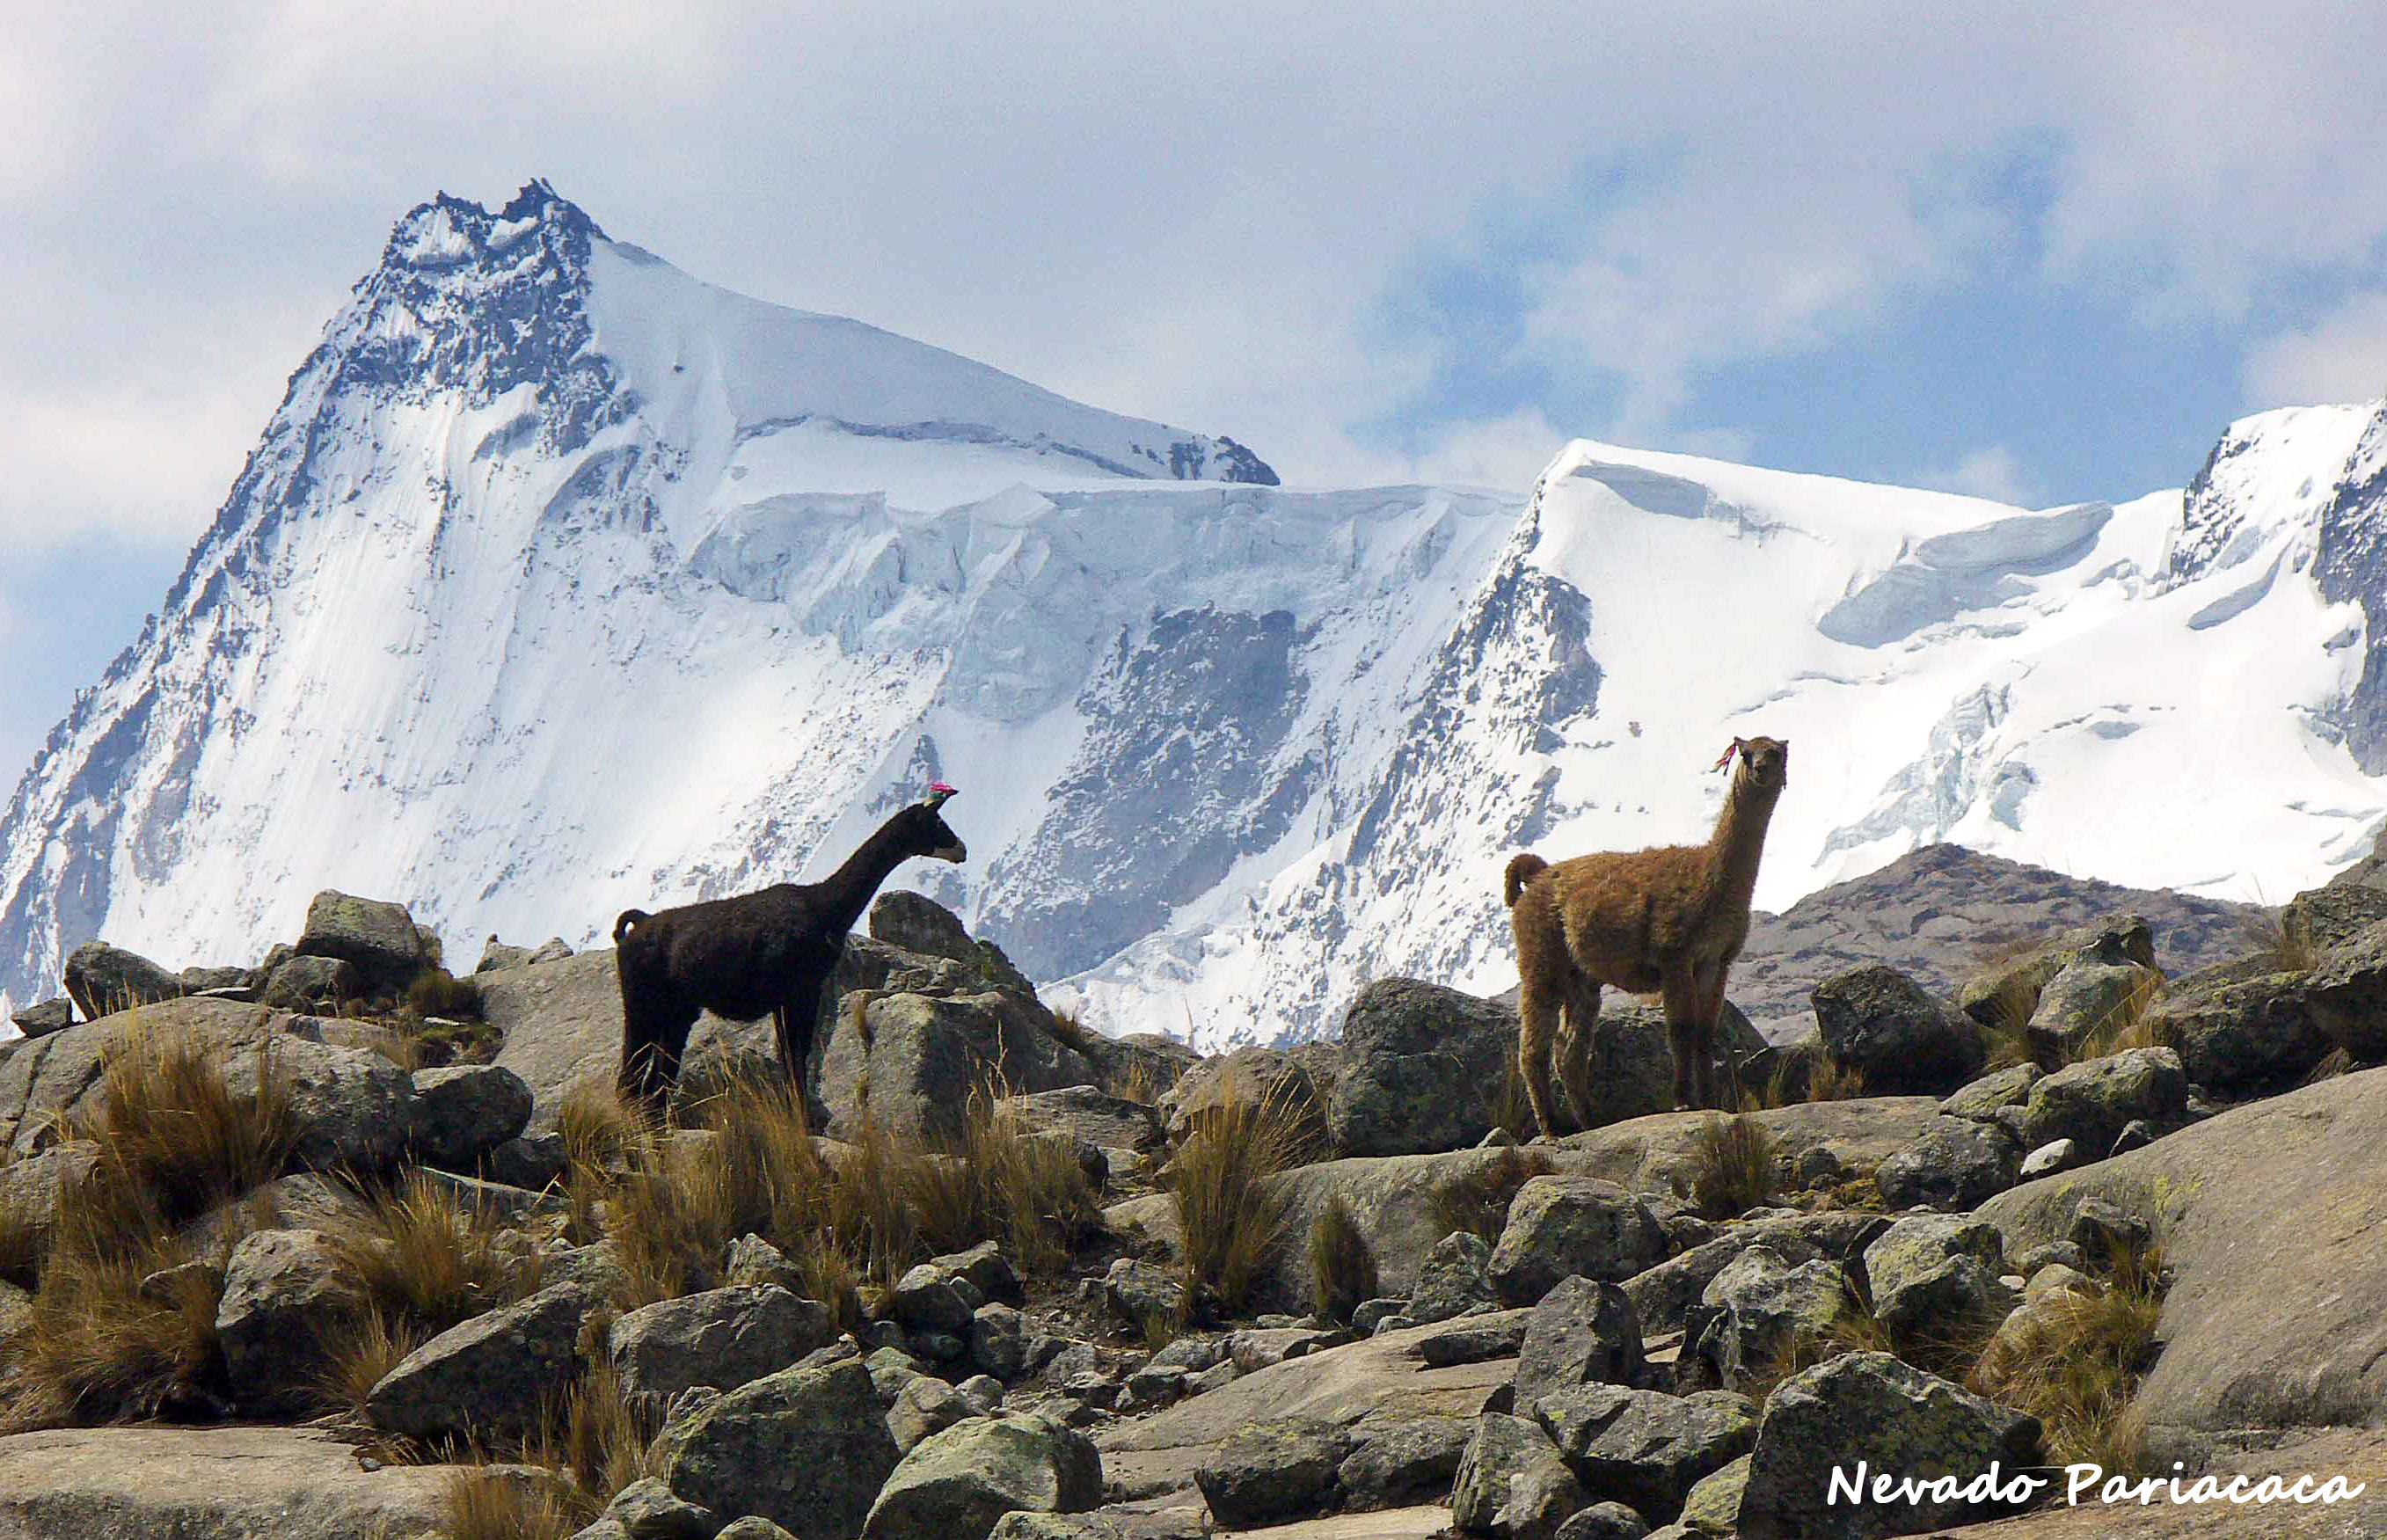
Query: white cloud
{"points": [[1504, 453], [1991, 472], [2341, 357]]}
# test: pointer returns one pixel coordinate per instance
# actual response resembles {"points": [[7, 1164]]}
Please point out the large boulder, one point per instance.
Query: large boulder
{"points": [[218, 1483], [1455, 1280], [2014, 982], [312, 983], [355, 1108], [2347, 993], [2269, 1215], [913, 1061], [378, 938], [954, 1484], [281, 1289], [1630, 1071], [918, 924], [1561, 1225], [487, 1376], [2236, 1035], [1959, 1164], [1870, 1410], [1266, 1472], [1081, 1112], [1758, 1308], [1512, 1483], [1663, 1296], [1583, 1332], [1903, 1040], [1295, 1081], [1421, 1069], [2091, 1103], [2319, 919], [722, 1337], [807, 1448], [50, 1016], [103, 979], [462, 1112], [1646, 1448], [2092, 995]]}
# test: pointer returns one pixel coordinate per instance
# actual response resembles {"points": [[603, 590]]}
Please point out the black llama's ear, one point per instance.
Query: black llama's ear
{"points": [[938, 794]]}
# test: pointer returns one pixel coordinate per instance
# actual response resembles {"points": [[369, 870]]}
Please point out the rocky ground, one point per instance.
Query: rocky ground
{"points": [[2114, 1191]]}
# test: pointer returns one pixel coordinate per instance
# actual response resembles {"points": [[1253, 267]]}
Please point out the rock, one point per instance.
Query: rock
{"points": [[916, 923], [103, 979], [1512, 1483], [2137, 1134], [1583, 1331], [2092, 1102], [955, 1485], [1572, 1226], [488, 1375], [377, 937], [1265, 1472], [1878, 1021], [461, 1112], [922, 1057], [49, 1017], [1648, 1449], [1294, 1080], [533, 1160], [1947, 1298], [983, 1268], [1604, 1521], [2050, 1253], [281, 1288], [2091, 995], [1259, 1347], [646, 1510], [1474, 1339], [30, 1187], [926, 1299], [1138, 1293], [1871, 1408], [1083, 1112], [753, 1527], [1663, 1296], [2119, 939], [2346, 992], [754, 1261], [1713, 1505], [1454, 1280], [305, 983], [1420, 1070], [215, 1483], [806, 1449], [1758, 1307], [354, 1110], [1364, 1319], [924, 1407], [2056, 1154], [1148, 1387], [496, 955], [2320, 919], [552, 950], [2100, 1229], [1916, 1245], [983, 1392], [2001, 1087], [722, 1337], [998, 1341], [1400, 1457], [2241, 1035], [1959, 1165]]}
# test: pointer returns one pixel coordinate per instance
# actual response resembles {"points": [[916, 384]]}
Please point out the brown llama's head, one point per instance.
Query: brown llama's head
{"points": [[1766, 761]]}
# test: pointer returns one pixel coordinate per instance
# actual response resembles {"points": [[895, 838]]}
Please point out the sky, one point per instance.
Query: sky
{"points": [[2043, 253]]}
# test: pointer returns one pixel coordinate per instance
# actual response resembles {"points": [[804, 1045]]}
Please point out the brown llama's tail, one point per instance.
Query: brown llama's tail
{"points": [[629, 917], [1522, 870]]}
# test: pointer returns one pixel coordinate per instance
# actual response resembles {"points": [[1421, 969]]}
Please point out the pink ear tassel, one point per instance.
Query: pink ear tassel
{"points": [[943, 788], [1728, 756]]}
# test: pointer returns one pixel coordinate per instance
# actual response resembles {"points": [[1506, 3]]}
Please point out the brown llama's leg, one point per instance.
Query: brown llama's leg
{"points": [[1538, 1009], [1579, 1023], [1711, 1025], [1682, 997]]}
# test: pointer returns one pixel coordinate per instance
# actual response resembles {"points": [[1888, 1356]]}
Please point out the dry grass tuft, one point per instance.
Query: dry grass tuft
{"points": [[24, 1237], [94, 1349], [600, 1128], [436, 991], [2335, 1063], [1477, 1199], [1736, 1167], [2268, 934], [1027, 1189], [1342, 1264], [2077, 1361], [1508, 1107], [359, 1353], [1829, 1081], [2128, 1023], [421, 1256], [501, 1504], [2008, 1028], [1231, 1210]]}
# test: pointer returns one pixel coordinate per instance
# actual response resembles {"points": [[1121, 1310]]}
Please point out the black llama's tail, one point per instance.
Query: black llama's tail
{"points": [[639, 916]]}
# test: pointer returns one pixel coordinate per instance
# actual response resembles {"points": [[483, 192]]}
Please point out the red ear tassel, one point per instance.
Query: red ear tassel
{"points": [[1728, 756]]}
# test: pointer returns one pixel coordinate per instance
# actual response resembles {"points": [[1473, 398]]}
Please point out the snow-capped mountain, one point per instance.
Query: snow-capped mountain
{"points": [[562, 582]]}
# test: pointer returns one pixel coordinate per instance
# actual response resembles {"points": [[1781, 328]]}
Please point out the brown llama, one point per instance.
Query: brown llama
{"points": [[1667, 920]]}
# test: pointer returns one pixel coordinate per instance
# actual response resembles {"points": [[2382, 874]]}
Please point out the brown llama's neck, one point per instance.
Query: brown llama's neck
{"points": [[1738, 842], [848, 891]]}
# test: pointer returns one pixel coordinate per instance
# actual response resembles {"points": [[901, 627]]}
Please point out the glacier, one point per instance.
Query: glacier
{"points": [[562, 582]]}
